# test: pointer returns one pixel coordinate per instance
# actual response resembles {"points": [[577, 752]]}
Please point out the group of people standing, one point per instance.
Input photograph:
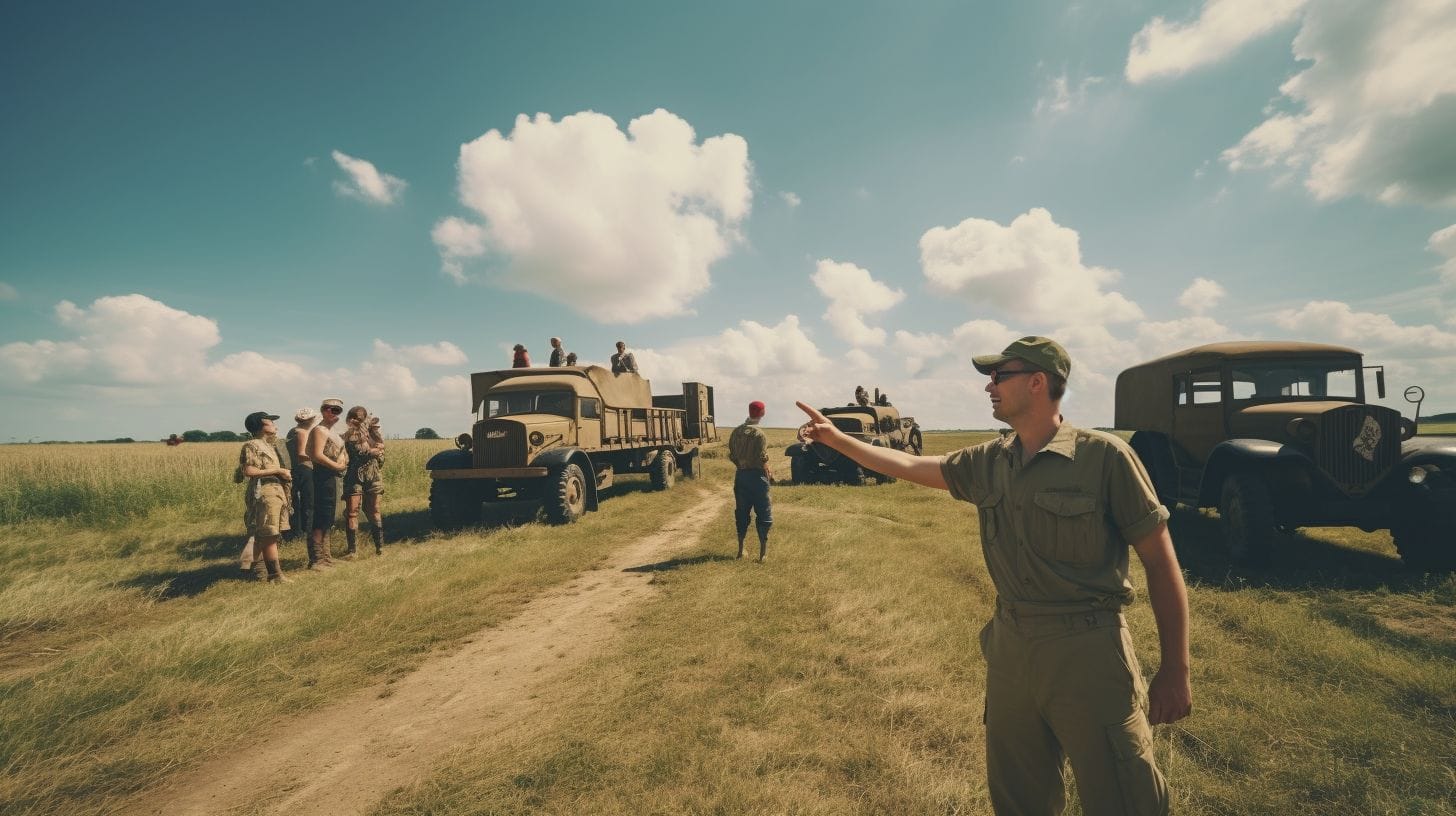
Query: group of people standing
{"points": [[622, 362], [295, 484]]}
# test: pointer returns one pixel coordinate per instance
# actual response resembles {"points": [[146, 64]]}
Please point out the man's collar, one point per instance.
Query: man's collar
{"points": [[1063, 442]]}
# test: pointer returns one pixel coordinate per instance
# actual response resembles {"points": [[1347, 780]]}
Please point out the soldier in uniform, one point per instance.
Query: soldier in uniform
{"points": [[571, 358], [520, 358], [1059, 508], [558, 353], [861, 396], [362, 481], [326, 452], [748, 449], [302, 492], [267, 492], [623, 361]]}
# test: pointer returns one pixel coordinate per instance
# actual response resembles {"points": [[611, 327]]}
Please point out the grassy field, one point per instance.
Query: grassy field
{"points": [[842, 677]]}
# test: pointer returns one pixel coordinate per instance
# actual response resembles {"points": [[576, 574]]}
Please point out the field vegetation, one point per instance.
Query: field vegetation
{"points": [[841, 677]]}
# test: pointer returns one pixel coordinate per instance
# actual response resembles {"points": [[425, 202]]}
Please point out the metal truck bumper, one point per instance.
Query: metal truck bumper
{"points": [[490, 473]]}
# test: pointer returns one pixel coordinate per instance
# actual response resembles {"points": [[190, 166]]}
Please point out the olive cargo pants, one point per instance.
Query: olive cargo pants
{"points": [[1067, 685]]}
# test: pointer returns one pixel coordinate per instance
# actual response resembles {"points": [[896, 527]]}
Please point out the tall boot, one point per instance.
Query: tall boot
{"points": [[325, 552], [259, 569], [353, 536], [377, 531], [275, 572]]}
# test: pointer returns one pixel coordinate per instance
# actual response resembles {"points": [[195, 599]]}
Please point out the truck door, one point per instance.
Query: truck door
{"points": [[1198, 415], [589, 423]]}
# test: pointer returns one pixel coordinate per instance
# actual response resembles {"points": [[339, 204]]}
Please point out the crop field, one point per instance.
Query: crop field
{"points": [[840, 677]]}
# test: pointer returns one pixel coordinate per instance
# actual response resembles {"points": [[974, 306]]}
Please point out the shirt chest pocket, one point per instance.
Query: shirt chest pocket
{"points": [[1067, 527], [992, 511]]}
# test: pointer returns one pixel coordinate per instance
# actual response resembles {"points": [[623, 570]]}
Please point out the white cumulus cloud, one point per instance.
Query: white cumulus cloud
{"points": [[1373, 113], [852, 294], [1443, 243], [443, 353], [1337, 322], [1163, 49], [365, 181], [622, 226], [7, 292], [1031, 269], [791, 199], [1201, 295]]}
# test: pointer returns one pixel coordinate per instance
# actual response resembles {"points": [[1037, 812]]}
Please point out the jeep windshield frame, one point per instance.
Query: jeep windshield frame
{"points": [[513, 402], [1296, 379]]}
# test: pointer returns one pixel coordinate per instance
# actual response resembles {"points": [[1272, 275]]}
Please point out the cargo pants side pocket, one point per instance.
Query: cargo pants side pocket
{"points": [[1144, 791]]}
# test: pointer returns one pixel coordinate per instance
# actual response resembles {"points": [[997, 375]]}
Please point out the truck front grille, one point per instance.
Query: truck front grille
{"points": [[1345, 440], [500, 444]]}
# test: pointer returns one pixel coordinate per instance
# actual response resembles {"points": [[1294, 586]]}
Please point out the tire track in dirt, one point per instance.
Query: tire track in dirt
{"points": [[347, 757]]}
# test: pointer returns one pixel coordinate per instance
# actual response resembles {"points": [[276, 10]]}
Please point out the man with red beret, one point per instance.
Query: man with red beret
{"points": [[748, 449]]}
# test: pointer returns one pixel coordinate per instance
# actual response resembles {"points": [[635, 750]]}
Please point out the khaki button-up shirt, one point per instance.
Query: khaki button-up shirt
{"points": [[1055, 529], [747, 446]]}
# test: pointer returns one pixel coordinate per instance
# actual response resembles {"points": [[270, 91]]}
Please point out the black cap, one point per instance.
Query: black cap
{"points": [[254, 422]]}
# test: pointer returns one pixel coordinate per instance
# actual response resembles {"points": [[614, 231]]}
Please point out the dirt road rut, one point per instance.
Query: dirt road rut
{"points": [[387, 736]]}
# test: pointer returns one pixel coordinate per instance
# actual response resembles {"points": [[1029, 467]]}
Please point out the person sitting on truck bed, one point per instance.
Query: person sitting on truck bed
{"points": [[623, 361], [558, 353]]}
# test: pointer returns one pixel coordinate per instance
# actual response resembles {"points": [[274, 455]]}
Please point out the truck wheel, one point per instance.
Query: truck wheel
{"points": [[664, 471], [1247, 514], [799, 470], [851, 473], [692, 466], [880, 478], [453, 504], [565, 500], [1427, 542]]}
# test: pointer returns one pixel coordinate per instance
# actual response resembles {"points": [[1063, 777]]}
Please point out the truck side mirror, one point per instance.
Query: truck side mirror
{"points": [[1380, 382]]}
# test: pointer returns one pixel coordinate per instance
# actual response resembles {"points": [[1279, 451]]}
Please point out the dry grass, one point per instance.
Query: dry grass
{"points": [[842, 677]]}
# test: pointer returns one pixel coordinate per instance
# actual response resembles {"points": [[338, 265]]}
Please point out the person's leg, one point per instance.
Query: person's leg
{"points": [[742, 504], [351, 519], [325, 505], [376, 519], [1023, 757], [303, 501], [1096, 709], [762, 516]]}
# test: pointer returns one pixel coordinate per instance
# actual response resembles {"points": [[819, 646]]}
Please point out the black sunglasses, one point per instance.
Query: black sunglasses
{"points": [[998, 375], [333, 409]]}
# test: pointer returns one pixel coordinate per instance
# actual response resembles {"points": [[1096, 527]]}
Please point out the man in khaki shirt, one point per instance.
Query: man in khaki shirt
{"points": [[748, 450], [1059, 507]]}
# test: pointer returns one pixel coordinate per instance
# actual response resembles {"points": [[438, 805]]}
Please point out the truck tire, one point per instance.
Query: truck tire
{"points": [[1427, 542], [851, 473], [799, 470], [916, 442], [565, 499], [1247, 514], [692, 466], [664, 471], [453, 504]]}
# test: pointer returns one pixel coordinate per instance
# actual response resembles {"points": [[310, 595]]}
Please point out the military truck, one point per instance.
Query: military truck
{"points": [[1279, 435], [878, 424], [557, 436]]}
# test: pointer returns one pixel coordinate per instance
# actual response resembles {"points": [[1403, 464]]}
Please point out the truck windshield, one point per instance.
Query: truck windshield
{"points": [[1333, 379], [530, 402]]}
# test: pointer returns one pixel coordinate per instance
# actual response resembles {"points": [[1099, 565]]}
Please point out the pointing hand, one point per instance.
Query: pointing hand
{"points": [[817, 429]]}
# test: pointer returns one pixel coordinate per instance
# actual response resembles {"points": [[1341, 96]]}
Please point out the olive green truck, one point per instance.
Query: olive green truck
{"points": [[557, 436]]}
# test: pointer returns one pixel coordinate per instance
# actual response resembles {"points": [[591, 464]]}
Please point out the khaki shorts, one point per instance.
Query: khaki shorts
{"points": [[269, 512], [354, 486]]}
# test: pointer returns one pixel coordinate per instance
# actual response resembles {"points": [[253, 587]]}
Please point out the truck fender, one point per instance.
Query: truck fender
{"points": [[450, 460], [561, 457], [1226, 457], [794, 450], [1430, 450]]}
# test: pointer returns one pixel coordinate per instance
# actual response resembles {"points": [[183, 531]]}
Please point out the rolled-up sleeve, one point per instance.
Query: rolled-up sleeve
{"points": [[1131, 498], [965, 473]]}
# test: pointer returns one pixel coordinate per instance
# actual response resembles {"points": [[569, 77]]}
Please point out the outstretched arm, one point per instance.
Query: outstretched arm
{"points": [[1170, 696], [923, 470]]}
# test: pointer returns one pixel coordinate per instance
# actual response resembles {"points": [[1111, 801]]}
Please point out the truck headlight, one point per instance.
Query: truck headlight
{"points": [[464, 441], [1417, 474], [536, 438]]}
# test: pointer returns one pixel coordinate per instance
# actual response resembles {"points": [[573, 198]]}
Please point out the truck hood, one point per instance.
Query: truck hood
{"points": [[1275, 414]]}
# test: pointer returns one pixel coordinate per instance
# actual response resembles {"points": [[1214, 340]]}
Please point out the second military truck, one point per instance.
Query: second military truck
{"points": [[556, 436], [879, 424]]}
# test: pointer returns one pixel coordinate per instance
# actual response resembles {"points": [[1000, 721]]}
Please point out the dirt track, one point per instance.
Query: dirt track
{"points": [[390, 735]]}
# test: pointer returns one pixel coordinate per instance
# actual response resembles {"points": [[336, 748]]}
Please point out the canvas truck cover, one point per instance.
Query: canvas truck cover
{"points": [[1145, 391], [616, 390]]}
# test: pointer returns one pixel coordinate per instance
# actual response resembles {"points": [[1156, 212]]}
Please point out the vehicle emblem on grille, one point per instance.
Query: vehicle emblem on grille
{"points": [[502, 434], [1368, 439]]}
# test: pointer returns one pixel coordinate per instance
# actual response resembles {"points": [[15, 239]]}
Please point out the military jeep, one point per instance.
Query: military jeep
{"points": [[878, 424], [1278, 435]]}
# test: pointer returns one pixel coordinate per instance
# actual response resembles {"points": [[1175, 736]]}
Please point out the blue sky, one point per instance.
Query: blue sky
{"points": [[207, 209]]}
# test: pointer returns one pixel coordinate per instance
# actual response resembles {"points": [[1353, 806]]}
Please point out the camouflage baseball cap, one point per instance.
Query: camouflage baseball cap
{"points": [[1040, 352]]}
